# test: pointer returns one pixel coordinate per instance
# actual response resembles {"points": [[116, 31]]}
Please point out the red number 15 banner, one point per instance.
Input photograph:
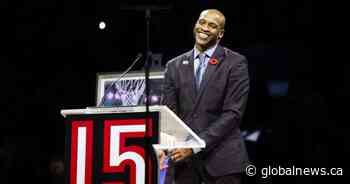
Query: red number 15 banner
{"points": [[111, 151]]}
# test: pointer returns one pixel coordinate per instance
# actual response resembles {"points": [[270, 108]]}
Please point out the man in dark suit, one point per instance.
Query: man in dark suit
{"points": [[208, 88]]}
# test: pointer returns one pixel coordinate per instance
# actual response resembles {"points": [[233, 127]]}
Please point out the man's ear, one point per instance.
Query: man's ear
{"points": [[221, 34]]}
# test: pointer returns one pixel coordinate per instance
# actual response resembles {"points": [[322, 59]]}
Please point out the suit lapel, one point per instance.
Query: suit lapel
{"points": [[188, 68], [219, 55]]}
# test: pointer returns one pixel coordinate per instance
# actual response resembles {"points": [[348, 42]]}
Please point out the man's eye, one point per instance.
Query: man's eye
{"points": [[201, 22], [213, 25]]}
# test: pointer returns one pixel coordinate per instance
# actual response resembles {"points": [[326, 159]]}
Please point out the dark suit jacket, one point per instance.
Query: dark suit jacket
{"points": [[214, 111]]}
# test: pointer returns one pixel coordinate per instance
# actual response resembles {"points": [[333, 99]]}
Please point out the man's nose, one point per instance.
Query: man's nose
{"points": [[205, 27]]}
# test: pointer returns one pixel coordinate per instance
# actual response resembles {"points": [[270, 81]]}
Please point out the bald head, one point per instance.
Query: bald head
{"points": [[209, 29], [215, 13]]}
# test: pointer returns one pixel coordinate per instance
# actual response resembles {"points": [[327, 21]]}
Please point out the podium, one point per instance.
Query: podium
{"points": [[119, 145]]}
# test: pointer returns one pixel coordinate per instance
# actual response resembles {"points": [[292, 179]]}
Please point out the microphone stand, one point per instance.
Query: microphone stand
{"points": [[147, 10], [148, 57]]}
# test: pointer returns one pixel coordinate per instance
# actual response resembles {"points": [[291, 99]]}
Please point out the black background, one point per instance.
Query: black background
{"points": [[52, 49]]}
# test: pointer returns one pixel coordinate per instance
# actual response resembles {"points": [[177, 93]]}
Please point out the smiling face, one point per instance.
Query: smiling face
{"points": [[209, 29]]}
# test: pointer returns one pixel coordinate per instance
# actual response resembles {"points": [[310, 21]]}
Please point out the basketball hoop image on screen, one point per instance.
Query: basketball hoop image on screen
{"points": [[125, 92], [128, 91]]}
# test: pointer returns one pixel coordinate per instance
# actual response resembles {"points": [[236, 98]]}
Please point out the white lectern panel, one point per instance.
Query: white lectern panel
{"points": [[174, 133]]}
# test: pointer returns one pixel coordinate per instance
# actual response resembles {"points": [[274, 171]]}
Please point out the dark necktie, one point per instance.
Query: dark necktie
{"points": [[200, 69]]}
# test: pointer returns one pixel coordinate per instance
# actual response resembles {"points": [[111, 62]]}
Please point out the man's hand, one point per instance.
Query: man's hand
{"points": [[180, 154], [161, 157]]}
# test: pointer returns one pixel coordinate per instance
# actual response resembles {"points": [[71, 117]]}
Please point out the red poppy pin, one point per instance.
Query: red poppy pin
{"points": [[213, 61]]}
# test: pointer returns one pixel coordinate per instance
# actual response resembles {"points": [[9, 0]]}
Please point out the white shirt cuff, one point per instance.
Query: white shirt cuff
{"points": [[196, 150]]}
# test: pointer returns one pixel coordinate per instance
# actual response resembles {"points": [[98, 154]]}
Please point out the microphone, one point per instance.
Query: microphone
{"points": [[101, 103]]}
